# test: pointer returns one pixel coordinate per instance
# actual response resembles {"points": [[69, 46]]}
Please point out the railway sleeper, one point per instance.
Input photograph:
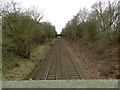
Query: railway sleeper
{"points": [[51, 78], [53, 75]]}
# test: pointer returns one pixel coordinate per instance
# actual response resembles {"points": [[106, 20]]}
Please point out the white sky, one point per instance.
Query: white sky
{"points": [[58, 12]]}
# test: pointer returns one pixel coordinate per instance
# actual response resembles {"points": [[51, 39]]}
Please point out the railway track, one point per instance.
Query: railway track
{"points": [[58, 65]]}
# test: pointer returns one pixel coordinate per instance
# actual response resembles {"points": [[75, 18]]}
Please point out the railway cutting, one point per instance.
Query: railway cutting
{"points": [[60, 64]]}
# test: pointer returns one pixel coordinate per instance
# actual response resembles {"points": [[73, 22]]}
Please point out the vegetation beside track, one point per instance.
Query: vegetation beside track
{"points": [[18, 68], [96, 33], [23, 34]]}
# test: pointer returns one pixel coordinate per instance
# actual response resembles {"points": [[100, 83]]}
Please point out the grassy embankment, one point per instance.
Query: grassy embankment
{"points": [[17, 68]]}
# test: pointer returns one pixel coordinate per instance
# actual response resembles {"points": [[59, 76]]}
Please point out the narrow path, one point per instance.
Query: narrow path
{"points": [[59, 64]]}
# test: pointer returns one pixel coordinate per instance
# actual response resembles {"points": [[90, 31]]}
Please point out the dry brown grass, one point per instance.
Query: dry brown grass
{"points": [[95, 59]]}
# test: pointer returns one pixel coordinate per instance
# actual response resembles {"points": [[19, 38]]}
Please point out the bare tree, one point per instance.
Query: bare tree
{"points": [[99, 8], [83, 15], [105, 14], [34, 13], [9, 7]]}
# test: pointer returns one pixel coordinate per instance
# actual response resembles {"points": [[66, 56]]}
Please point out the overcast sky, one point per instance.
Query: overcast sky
{"points": [[58, 12]]}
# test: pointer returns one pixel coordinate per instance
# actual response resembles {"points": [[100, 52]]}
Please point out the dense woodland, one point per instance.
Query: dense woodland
{"points": [[99, 27], [22, 29]]}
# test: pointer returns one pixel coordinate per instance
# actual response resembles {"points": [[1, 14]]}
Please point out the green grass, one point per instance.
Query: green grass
{"points": [[8, 56], [34, 49], [26, 65]]}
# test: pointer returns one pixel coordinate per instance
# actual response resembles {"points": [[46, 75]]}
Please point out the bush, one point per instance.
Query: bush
{"points": [[19, 33]]}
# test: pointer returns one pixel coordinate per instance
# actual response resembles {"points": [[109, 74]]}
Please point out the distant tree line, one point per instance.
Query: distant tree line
{"points": [[21, 29], [102, 22]]}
